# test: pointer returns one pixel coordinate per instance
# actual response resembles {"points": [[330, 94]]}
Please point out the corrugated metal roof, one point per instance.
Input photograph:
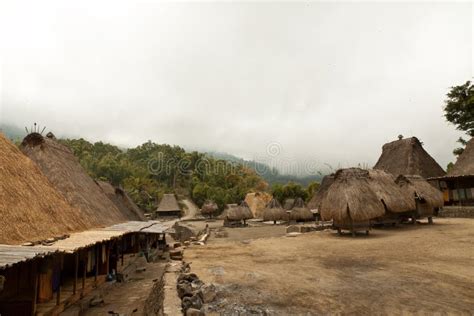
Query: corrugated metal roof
{"points": [[10, 255]]}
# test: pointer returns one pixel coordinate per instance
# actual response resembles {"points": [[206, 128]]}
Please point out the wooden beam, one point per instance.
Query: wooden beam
{"points": [[107, 259], [84, 272], [76, 271], [35, 286], [58, 294], [96, 263]]}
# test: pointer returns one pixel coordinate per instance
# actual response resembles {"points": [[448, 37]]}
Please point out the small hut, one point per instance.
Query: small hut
{"points": [[237, 215], [122, 201], [300, 213], [458, 184], [257, 201], [428, 199], [407, 156], [288, 204], [350, 201], [315, 202], [168, 207], [274, 212], [209, 208]]}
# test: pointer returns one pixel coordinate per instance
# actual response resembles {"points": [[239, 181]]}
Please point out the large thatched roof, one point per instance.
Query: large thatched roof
{"points": [[315, 201], [274, 212], [417, 187], [351, 197], [407, 156], [464, 166], [30, 207], [257, 202], [168, 203], [64, 171], [236, 212], [122, 201]]}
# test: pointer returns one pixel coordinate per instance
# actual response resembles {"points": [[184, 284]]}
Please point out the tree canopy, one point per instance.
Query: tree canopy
{"points": [[459, 107]]}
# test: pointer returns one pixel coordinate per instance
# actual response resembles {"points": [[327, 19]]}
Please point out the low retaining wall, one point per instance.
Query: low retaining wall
{"points": [[457, 211]]}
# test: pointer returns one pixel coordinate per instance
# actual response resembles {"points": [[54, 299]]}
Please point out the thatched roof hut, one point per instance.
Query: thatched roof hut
{"points": [[274, 212], [209, 207], [237, 212], [464, 165], [168, 206], [300, 212], [407, 156], [315, 201], [31, 208], [427, 197], [257, 202], [351, 198], [122, 201], [64, 171], [288, 204]]}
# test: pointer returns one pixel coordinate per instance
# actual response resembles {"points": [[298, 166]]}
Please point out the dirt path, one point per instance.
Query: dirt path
{"points": [[191, 209], [425, 269]]}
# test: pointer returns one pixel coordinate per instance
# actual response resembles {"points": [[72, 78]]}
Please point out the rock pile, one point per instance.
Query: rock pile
{"points": [[194, 293]]}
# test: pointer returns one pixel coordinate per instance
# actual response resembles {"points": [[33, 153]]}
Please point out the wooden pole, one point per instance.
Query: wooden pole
{"points": [[76, 271], [58, 294], [84, 272], [96, 263], [35, 289], [123, 249], [107, 259]]}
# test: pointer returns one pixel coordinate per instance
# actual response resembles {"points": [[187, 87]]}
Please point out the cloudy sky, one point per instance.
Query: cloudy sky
{"points": [[320, 82]]}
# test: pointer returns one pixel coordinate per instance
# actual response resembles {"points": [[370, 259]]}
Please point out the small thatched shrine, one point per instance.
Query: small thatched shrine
{"points": [[274, 212], [209, 208], [300, 213], [122, 201], [408, 157], [62, 168], [168, 206], [31, 208], [236, 215]]}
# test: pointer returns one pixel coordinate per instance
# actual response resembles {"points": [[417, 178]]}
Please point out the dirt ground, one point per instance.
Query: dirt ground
{"points": [[412, 269]]}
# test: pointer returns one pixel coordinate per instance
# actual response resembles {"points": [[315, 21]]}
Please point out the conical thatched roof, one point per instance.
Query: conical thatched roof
{"points": [[464, 166], [122, 201], [274, 212], [300, 212], [30, 207], [417, 187], [315, 201], [288, 204], [257, 202], [407, 156], [168, 204], [64, 171], [236, 212], [209, 207], [351, 197]]}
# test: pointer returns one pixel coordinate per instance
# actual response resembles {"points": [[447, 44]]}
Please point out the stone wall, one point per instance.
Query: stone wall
{"points": [[457, 211]]}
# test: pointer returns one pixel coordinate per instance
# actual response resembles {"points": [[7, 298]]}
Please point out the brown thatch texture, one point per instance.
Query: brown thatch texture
{"points": [[30, 207], [64, 171], [392, 196], [237, 212], [257, 202], [122, 201], [209, 208], [407, 156], [419, 189], [351, 198], [300, 212], [315, 201], [168, 203], [464, 166], [274, 212], [288, 204]]}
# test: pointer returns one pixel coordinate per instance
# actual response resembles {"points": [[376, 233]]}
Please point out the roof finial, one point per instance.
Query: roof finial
{"points": [[400, 137]]}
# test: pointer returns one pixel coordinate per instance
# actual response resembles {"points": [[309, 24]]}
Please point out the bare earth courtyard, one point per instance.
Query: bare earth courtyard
{"points": [[422, 269]]}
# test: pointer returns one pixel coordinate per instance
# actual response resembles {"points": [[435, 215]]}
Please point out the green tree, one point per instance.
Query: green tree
{"points": [[459, 107], [312, 188]]}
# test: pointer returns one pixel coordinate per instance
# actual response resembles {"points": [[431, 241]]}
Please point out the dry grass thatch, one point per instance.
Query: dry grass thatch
{"points": [[168, 204], [274, 212], [300, 212], [351, 198], [464, 166], [64, 171], [257, 202], [31, 208], [122, 201], [407, 156], [237, 212], [428, 197], [209, 208], [288, 204], [315, 201]]}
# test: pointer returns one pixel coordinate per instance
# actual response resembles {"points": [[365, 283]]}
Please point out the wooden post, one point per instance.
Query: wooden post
{"points": [[84, 272], [96, 263], [76, 271], [123, 249], [107, 259], [35, 287], [58, 294]]}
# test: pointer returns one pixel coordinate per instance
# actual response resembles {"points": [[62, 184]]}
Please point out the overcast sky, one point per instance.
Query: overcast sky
{"points": [[320, 82]]}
